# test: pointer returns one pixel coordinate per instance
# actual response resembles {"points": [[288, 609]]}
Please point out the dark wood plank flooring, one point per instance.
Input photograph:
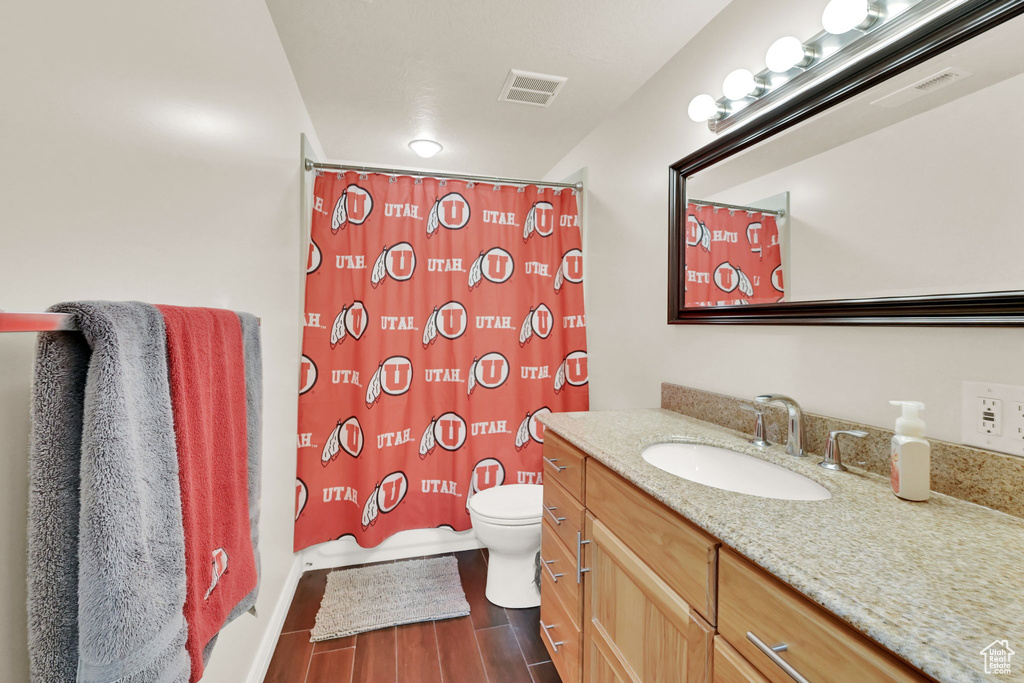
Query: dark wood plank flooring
{"points": [[491, 645]]}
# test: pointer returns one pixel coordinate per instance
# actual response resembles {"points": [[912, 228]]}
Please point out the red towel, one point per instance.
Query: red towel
{"points": [[207, 376]]}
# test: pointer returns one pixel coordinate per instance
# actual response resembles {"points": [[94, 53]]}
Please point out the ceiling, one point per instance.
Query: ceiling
{"points": [[376, 74]]}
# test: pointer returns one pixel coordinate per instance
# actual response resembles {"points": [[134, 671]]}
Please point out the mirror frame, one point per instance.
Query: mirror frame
{"points": [[999, 309]]}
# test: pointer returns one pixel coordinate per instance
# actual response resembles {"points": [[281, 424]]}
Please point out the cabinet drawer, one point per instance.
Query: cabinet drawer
{"points": [[563, 463], [560, 567], [819, 646], [680, 554], [561, 637], [563, 512], [730, 667]]}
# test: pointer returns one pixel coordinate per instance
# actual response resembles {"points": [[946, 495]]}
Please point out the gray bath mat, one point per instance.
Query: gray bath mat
{"points": [[378, 596]]}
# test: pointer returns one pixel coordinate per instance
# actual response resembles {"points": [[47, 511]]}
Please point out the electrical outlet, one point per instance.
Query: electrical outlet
{"points": [[1016, 418], [990, 416], [993, 417]]}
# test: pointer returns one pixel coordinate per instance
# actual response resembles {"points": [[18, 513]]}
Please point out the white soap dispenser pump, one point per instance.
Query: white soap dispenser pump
{"points": [[911, 455]]}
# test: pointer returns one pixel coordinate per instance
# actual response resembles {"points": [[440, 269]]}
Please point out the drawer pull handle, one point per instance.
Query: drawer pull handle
{"points": [[771, 651], [551, 511], [546, 563], [580, 569], [548, 635], [552, 461]]}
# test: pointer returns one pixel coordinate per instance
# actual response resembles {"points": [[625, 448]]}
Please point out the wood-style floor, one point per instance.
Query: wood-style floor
{"points": [[491, 645]]}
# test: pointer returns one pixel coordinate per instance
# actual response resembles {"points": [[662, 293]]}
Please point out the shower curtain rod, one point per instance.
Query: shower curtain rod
{"points": [[779, 213], [315, 165], [43, 322]]}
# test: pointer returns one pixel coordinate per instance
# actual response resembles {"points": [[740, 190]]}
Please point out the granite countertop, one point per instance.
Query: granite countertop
{"points": [[933, 582]]}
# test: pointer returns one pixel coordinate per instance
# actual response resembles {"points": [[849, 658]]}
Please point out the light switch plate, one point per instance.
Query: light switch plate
{"points": [[993, 417]]}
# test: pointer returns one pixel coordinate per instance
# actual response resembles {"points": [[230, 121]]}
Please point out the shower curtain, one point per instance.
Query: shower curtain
{"points": [[732, 257], [441, 318]]}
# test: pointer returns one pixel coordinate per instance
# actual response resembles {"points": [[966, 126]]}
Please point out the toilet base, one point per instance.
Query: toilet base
{"points": [[510, 580]]}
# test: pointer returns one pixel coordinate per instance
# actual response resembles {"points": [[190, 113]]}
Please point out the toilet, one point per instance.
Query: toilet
{"points": [[507, 521]]}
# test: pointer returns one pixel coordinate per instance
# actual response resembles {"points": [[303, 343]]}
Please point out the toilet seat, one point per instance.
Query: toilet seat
{"points": [[512, 505]]}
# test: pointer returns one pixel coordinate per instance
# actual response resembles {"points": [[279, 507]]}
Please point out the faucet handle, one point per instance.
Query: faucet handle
{"points": [[759, 431], [833, 461]]}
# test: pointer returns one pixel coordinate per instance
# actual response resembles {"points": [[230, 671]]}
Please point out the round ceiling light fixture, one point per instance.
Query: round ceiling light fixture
{"points": [[842, 16], [702, 107], [739, 84], [425, 148], [786, 53]]}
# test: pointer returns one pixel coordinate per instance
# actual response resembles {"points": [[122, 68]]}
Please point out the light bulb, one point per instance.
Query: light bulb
{"points": [[425, 148], [739, 84], [702, 107], [784, 54], [841, 16]]}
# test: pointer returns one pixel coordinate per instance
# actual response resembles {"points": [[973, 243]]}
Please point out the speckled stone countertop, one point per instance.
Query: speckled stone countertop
{"points": [[933, 582]]}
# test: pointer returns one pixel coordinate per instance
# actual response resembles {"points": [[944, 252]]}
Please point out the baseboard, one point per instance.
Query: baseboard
{"points": [[266, 651], [413, 543]]}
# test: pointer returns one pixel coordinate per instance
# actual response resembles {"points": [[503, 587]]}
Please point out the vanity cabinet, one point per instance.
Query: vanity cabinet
{"points": [[561, 606], [633, 592]]}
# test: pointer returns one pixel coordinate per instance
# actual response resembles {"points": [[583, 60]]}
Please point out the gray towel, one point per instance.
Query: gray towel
{"points": [[106, 548], [254, 425]]}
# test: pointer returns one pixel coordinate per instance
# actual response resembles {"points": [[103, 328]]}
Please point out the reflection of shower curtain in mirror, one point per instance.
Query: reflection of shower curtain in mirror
{"points": [[732, 257]]}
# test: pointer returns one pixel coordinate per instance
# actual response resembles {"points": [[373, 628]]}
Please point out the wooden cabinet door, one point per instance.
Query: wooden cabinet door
{"points": [[637, 628]]}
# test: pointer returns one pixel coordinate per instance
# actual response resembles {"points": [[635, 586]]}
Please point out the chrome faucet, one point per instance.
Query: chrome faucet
{"points": [[759, 432], [832, 460], [795, 437]]}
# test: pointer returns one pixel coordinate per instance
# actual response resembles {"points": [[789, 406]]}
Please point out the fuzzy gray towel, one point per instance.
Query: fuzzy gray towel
{"points": [[254, 425], [106, 548]]}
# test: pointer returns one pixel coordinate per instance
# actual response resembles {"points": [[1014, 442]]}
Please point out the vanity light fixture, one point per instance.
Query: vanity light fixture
{"points": [[786, 53], [741, 83], [842, 16], [425, 148], [854, 30], [703, 107]]}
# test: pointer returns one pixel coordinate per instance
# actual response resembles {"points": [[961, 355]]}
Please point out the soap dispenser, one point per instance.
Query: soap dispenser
{"points": [[911, 455]]}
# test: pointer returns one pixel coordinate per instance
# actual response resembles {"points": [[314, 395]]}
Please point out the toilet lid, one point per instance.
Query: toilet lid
{"points": [[514, 504]]}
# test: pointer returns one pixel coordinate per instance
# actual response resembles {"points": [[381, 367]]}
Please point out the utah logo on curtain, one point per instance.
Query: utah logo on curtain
{"points": [[732, 257], [441, 318]]}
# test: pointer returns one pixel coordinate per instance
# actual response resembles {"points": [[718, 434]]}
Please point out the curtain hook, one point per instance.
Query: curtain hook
{"points": [[363, 176], [470, 185], [497, 187], [340, 176], [442, 183], [521, 188], [392, 179], [418, 180], [319, 172]]}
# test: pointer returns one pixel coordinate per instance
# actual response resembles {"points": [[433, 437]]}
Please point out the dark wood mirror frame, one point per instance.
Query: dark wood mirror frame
{"points": [[1000, 309]]}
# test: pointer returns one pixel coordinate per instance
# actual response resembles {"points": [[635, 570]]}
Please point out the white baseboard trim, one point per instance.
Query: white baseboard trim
{"points": [[269, 643], [413, 543]]}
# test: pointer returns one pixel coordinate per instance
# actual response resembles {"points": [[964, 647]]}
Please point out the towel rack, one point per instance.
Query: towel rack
{"points": [[42, 322]]}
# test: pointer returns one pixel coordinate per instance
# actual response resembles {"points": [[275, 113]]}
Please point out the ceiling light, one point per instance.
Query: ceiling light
{"points": [[702, 107], [841, 16], [786, 53], [739, 84], [425, 148]]}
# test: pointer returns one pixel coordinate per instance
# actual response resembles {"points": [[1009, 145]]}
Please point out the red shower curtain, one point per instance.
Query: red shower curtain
{"points": [[732, 257], [441, 317]]}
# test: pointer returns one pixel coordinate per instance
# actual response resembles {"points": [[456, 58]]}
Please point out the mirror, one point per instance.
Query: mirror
{"points": [[895, 203]]}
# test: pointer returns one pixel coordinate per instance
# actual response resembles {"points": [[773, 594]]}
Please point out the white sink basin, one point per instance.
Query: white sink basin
{"points": [[732, 471]]}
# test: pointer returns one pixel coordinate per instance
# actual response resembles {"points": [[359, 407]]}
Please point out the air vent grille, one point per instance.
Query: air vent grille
{"points": [[525, 87], [921, 88]]}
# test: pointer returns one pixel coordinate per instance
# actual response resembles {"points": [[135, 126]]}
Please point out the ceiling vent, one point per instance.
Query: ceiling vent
{"points": [[921, 88], [526, 87]]}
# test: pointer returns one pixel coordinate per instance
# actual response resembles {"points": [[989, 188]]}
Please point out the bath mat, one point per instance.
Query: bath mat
{"points": [[383, 595]]}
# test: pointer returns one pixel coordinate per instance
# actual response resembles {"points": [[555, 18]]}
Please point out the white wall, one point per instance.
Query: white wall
{"points": [[149, 151], [840, 371]]}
